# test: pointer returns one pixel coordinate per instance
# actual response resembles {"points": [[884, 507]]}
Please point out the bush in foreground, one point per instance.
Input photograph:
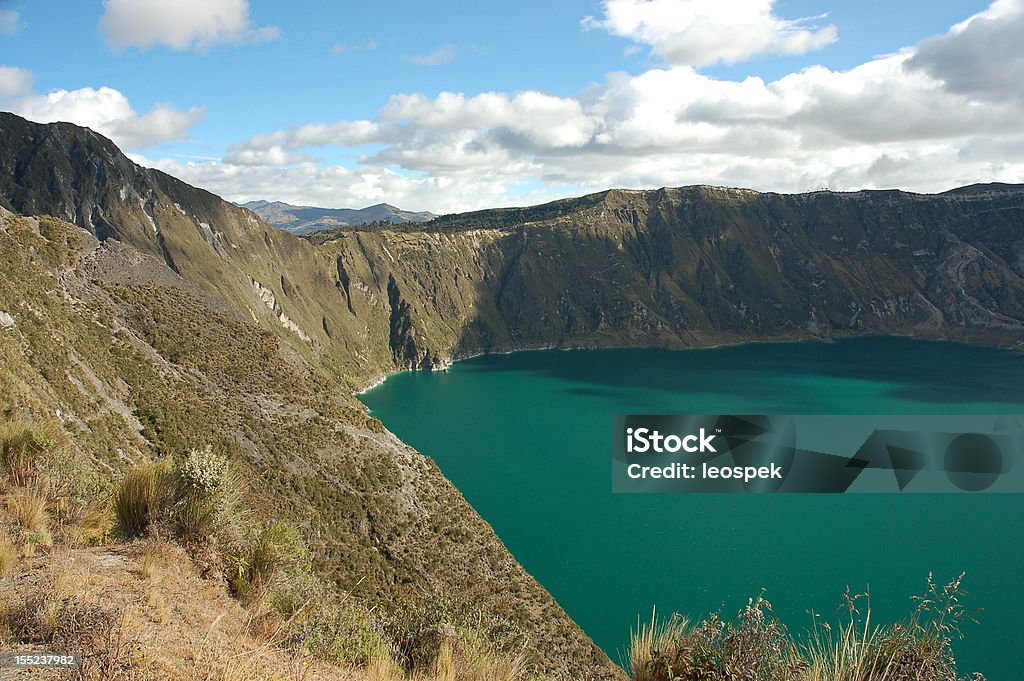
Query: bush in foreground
{"points": [[754, 646]]}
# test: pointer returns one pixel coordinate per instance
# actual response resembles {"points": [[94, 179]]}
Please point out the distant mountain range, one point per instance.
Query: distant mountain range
{"points": [[306, 219]]}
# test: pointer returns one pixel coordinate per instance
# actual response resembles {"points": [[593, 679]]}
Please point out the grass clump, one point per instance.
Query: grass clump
{"points": [[474, 660], [23, 446], [755, 646], [143, 497], [27, 505], [919, 649], [656, 644], [273, 554], [44, 486]]}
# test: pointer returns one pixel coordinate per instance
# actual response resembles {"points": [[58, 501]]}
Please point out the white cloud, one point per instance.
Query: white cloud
{"points": [[180, 24], [704, 32], [273, 155], [10, 22], [105, 110], [14, 81], [910, 120], [441, 55], [278, 148]]}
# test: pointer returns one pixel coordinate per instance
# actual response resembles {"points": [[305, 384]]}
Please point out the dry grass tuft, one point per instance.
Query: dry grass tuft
{"points": [[653, 645], [150, 562], [8, 557], [145, 491], [754, 647], [27, 505], [22, 446], [383, 668], [94, 526]]}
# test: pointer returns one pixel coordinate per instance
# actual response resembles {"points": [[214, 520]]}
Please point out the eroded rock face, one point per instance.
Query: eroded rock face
{"points": [[695, 266]]}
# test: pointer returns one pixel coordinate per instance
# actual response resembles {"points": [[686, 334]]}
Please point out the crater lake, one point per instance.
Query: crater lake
{"points": [[526, 437]]}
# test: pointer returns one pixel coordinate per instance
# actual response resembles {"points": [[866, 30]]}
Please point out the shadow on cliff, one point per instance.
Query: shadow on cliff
{"points": [[692, 273], [928, 372]]}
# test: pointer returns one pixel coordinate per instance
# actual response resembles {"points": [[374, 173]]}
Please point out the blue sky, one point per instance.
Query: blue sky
{"points": [[231, 90]]}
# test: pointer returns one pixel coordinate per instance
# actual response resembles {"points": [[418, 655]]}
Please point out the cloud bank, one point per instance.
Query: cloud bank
{"points": [[932, 116]]}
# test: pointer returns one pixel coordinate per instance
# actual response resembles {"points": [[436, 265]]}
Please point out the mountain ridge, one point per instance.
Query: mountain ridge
{"points": [[307, 219]]}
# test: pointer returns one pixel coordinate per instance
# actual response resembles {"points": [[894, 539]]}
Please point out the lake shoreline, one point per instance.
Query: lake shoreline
{"points": [[379, 379]]}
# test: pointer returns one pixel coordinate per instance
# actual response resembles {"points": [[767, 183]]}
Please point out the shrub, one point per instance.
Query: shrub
{"points": [[341, 632], [752, 646], [206, 490], [192, 496], [203, 472], [275, 551], [420, 625]]}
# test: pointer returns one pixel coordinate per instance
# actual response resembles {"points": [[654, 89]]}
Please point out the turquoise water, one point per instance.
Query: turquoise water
{"points": [[527, 438]]}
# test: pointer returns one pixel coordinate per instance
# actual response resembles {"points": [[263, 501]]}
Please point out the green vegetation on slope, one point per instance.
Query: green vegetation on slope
{"points": [[134, 365]]}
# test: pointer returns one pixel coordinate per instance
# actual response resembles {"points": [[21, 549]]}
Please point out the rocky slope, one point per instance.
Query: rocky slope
{"points": [[306, 219], [165, 315], [145, 341]]}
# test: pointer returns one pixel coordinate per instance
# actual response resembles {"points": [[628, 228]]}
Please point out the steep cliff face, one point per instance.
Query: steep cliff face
{"points": [[134, 361], [178, 316], [701, 265]]}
